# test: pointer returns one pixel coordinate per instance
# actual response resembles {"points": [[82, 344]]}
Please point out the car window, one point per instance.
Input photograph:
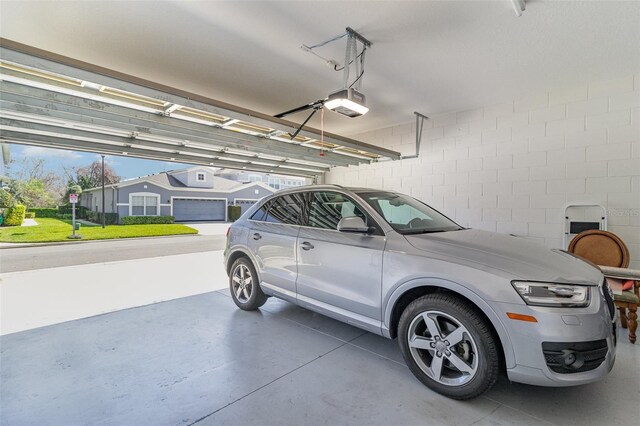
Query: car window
{"points": [[286, 209], [327, 208], [259, 214], [408, 215], [401, 213]]}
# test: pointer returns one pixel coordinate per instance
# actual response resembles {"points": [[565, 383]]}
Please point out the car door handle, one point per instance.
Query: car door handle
{"points": [[257, 236], [307, 245]]}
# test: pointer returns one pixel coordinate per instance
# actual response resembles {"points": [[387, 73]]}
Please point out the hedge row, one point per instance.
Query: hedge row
{"points": [[67, 209], [96, 217], [29, 215], [44, 212], [62, 210], [145, 220], [14, 216]]}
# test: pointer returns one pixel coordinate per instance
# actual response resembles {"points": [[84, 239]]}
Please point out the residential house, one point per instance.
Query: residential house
{"points": [[192, 194], [273, 180]]}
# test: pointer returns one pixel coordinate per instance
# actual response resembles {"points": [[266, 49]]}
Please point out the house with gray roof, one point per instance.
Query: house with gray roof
{"points": [[193, 194]]}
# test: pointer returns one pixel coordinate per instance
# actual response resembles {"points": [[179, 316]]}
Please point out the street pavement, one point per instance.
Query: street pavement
{"points": [[13, 259]]}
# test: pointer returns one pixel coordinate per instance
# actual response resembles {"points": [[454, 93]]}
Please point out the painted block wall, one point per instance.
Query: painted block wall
{"points": [[513, 167]]}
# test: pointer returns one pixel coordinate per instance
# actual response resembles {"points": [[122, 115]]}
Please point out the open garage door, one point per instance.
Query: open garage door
{"points": [[194, 209], [244, 204], [53, 101]]}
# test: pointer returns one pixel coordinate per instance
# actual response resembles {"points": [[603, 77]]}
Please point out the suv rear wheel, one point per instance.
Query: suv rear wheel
{"points": [[244, 286], [448, 346]]}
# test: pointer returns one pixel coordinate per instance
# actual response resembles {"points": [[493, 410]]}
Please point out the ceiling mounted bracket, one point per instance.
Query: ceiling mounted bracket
{"points": [[419, 126], [353, 33]]}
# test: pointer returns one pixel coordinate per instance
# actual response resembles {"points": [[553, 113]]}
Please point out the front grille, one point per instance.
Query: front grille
{"points": [[574, 357], [606, 291]]}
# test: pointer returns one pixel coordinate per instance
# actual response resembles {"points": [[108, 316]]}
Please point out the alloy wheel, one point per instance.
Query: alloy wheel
{"points": [[242, 283], [443, 348]]}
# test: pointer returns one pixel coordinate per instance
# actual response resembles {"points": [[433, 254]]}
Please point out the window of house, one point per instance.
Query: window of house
{"points": [[201, 177], [255, 178], [145, 205], [274, 182]]}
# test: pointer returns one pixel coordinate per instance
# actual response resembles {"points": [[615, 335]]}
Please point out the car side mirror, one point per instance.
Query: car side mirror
{"points": [[353, 224]]}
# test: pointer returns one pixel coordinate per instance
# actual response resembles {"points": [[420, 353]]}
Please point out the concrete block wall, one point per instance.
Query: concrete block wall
{"points": [[513, 167]]}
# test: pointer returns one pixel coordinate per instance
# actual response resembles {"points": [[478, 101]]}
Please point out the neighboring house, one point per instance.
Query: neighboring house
{"points": [[189, 195], [274, 181]]}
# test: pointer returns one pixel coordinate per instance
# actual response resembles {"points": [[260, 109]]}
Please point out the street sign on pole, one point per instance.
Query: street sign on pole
{"points": [[73, 199]]}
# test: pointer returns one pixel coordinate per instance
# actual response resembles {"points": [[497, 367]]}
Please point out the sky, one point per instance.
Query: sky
{"points": [[57, 160]]}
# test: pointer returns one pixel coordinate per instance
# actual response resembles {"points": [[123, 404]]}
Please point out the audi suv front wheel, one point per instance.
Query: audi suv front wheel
{"points": [[448, 346]]}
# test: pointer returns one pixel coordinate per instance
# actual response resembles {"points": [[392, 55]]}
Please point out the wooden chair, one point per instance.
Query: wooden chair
{"points": [[610, 253]]}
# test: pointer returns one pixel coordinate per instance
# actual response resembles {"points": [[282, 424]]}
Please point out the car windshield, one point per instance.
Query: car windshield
{"points": [[407, 215]]}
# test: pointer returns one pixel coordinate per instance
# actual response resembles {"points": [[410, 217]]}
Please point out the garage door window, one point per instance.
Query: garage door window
{"points": [[144, 205]]}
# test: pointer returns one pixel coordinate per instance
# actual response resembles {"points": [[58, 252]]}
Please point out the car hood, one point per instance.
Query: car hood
{"points": [[517, 257]]}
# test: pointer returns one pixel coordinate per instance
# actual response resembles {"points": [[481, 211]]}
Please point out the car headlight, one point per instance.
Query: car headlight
{"points": [[553, 294]]}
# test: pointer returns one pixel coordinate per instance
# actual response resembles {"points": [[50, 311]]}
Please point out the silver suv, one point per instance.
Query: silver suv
{"points": [[463, 303]]}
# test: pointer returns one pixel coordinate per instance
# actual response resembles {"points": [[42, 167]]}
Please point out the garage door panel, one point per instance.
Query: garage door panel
{"points": [[186, 209]]}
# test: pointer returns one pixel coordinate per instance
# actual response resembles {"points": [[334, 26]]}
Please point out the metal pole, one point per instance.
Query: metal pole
{"points": [[73, 219], [103, 217]]}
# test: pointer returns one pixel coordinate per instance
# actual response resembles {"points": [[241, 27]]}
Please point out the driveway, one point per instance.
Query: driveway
{"points": [[55, 283], [209, 228]]}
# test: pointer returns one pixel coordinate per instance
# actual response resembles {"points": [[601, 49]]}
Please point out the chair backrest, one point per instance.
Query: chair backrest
{"points": [[600, 247]]}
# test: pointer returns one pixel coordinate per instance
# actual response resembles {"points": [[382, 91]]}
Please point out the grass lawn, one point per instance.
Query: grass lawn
{"points": [[49, 230]]}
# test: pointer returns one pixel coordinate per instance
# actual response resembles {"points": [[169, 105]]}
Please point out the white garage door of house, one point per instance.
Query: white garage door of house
{"points": [[198, 209]]}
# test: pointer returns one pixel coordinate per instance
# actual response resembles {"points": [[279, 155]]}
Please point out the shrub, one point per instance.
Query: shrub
{"points": [[14, 216], [64, 216], [234, 213], [29, 215], [6, 199], [67, 209], [44, 212], [146, 220], [96, 217]]}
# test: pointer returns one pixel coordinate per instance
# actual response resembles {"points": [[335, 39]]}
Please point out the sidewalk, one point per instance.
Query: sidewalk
{"points": [[57, 243]]}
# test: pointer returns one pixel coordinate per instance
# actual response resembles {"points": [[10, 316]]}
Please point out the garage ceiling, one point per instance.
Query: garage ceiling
{"points": [[53, 101], [427, 56]]}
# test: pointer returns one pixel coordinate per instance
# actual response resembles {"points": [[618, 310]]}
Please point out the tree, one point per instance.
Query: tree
{"points": [[6, 199], [32, 193], [32, 184], [91, 176]]}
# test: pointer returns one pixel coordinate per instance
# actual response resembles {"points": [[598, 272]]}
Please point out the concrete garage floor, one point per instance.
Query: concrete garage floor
{"points": [[201, 360]]}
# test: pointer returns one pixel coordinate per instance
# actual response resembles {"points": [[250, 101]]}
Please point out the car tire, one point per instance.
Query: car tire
{"points": [[448, 346], [244, 286]]}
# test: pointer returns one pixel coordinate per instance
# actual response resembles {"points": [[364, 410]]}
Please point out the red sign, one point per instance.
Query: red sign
{"points": [[73, 198]]}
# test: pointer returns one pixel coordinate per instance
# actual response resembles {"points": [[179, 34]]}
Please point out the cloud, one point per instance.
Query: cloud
{"points": [[108, 159], [39, 151]]}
